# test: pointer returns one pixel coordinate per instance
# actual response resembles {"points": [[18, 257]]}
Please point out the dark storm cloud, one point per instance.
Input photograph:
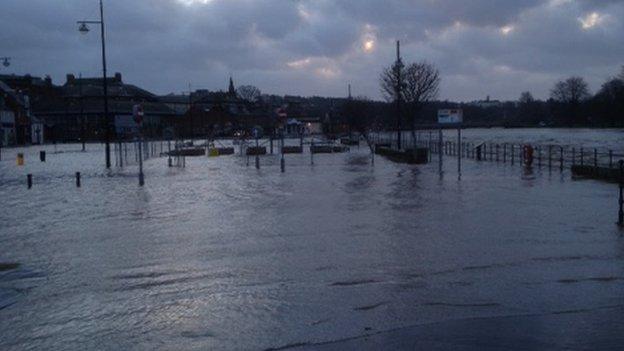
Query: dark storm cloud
{"points": [[482, 47]]}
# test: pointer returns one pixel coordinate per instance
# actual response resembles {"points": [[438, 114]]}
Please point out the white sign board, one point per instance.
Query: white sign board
{"points": [[455, 116]]}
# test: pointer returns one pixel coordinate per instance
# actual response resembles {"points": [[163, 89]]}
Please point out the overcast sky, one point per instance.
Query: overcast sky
{"points": [[316, 47]]}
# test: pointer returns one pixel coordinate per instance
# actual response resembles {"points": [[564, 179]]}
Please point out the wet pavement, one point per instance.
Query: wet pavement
{"points": [[336, 255]]}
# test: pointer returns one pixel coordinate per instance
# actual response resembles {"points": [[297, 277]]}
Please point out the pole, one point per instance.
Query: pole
{"points": [[107, 132], [282, 160], [621, 212], [459, 152], [440, 148], [257, 155], [312, 151], [399, 67], [82, 117], [141, 179]]}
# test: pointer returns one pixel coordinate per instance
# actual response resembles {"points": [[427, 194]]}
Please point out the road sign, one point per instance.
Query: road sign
{"points": [[137, 113], [452, 116]]}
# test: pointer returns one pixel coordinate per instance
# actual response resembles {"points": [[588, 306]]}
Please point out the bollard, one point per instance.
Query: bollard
{"points": [[257, 162], [283, 164], [42, 156], [78, 179], [20, 159], [621, 212], [29, 180]]}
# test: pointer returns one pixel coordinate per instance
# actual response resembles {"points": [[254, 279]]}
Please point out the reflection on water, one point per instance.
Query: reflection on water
{"points": [[223, 256]]}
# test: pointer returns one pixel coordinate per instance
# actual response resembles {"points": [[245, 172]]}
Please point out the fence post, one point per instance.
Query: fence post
{"points": [[505, 153], [573, 156], [513, 154], [621, 212], [581, 156], [610, 158], [29, 180]]}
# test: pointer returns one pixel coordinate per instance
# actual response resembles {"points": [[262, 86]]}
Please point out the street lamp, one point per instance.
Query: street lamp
{"points": [[83, 28]]}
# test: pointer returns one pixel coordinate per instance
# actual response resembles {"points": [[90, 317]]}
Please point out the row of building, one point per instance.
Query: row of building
{"points": [[35, 110]]}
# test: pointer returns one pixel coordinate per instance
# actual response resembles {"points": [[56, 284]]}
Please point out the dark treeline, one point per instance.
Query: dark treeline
{"points": [[570, 105]]}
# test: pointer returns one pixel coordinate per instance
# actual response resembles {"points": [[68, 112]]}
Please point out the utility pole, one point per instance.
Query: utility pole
{"points": [[398, 93]]}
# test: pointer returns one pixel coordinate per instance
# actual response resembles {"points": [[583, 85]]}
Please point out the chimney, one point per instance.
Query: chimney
{"points": [[118, 77], [70, 79]]}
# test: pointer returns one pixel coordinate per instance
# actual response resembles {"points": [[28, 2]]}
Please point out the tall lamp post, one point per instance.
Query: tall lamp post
{"points": [[84, 29], [6, 62]]}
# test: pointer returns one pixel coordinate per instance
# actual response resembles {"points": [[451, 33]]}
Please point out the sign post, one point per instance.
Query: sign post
{"points": [[451, 117], [137, 114]]}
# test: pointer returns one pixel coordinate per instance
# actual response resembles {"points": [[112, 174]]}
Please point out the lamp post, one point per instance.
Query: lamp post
{"points": [[84, 29], [6, 62]]}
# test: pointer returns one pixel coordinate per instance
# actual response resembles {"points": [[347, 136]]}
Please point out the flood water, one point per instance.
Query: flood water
{"points": [[341, 254]]}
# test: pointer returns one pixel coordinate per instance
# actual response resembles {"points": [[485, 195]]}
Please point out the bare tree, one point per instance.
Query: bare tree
{"points": [[249, 93], [571, 91], [422, 84], [390, 79], [419, 83], [526, 98], [571, 94]]}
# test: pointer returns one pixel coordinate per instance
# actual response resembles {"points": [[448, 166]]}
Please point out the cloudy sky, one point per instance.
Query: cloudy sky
{"points": [[316, 47]]}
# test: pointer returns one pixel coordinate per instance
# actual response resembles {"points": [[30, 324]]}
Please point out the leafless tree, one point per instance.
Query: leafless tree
{"points": [[389, 80], [422, 84], [419, 83], [571, 91], [249, 93], [526, 98]]}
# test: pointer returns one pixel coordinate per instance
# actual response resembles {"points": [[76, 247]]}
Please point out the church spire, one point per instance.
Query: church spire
{"points": [[231, 89]]}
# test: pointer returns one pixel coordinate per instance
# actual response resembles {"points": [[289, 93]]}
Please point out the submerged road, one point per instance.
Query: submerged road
{"points": [[338, 255]]}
